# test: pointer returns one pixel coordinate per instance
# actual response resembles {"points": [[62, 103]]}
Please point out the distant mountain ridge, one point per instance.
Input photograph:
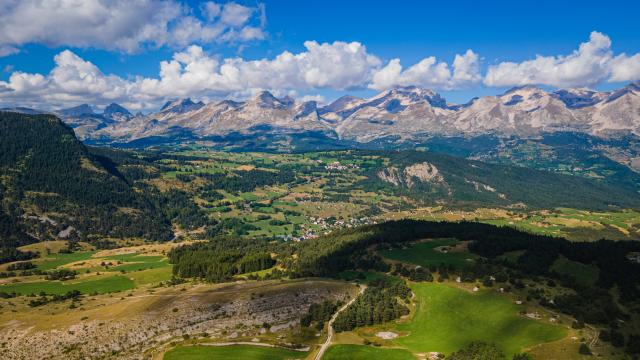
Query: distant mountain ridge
{"points": [[401, 114]]}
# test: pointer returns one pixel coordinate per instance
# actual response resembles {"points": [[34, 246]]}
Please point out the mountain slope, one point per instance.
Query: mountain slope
{"points": [[52, 186], [450, 180]]}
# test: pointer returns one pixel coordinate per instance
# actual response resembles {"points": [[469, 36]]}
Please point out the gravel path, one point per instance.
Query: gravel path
{"points": [[326, 344]]}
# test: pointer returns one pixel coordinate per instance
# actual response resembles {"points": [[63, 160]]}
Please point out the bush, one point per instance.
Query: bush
{"points": [[478, 351], [584, 349], [62, 274], [577, 324]]}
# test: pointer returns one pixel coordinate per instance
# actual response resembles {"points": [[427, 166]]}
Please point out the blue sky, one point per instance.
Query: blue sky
{"points": [[411, 31]]}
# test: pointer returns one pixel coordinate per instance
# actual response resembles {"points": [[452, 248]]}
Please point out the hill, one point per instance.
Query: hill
{"points": [[52, 186], [446, 179]]}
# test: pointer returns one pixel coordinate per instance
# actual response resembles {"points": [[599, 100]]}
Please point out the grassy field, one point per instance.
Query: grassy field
{"points": [[102, 285], [425, 254], [362, 352], [585, 275], [248, 352], [98, 272], [135, 262], [447, 318], [151, 276], [53, 261]]}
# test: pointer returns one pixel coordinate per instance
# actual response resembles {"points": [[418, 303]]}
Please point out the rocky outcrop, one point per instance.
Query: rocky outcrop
{"points": [[424, 172]]}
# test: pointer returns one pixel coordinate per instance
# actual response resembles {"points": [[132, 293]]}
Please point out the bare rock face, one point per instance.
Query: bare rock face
{"points": [[139, 326], [391, 175], [406, 113], [424, 172]]}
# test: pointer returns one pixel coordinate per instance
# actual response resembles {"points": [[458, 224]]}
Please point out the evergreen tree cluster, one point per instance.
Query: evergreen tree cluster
{"points": [[319, 313], [478, 350], [378, 304], [48, 170], [220, 259], [247, 181]]}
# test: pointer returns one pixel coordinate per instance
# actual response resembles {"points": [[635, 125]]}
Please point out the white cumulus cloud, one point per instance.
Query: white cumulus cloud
{"points": [[337, 65], [123, 25], [430, 73], [195, 73], [592, 63]]}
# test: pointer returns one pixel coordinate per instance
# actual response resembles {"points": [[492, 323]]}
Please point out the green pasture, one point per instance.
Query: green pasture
{"points": [[448, 318], [362, 352], [53, 261], [101, 286], [425, 254], [249, 352], [585, 275]]}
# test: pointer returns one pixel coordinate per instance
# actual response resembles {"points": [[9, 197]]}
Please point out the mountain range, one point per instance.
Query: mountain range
{"points": [[402, 114]]}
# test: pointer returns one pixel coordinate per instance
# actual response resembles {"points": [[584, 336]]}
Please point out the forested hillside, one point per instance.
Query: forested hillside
{"points": [[442, 178], [52, 186]]}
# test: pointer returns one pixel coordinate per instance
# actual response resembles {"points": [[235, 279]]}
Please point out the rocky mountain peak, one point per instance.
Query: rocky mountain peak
{"points": [[79, 110], [265, 99], [114, 108], [521, 94], [407, 95], [181, 106], [404, 113], [305, 109], [576, 98]]}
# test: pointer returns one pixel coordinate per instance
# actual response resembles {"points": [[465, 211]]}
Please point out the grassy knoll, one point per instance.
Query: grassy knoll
{"points": [[135, 262], [53, 261], [232, 352], [52, 246], [101, 285], [425, 254], [151, 276], [361, 352], [585, 275], [448, 318], [127, 262]]}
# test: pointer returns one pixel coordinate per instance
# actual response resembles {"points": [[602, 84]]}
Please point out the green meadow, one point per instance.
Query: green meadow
{"points": [[53, 261], [585, 275], [135, 262], [251, 352], [151, 276], [425, 254], [103, 285], [362, 352], [140, 269], [448, 318]]}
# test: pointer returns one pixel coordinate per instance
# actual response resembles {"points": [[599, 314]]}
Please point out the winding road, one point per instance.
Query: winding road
{"points": [[326, 344]]}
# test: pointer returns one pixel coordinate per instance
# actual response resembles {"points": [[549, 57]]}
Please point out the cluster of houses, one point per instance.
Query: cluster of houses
{"points": [[337, 166], [326, 226]]}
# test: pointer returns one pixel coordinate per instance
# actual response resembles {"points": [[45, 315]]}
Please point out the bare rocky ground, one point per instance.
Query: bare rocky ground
{"points": [[140, 325]]}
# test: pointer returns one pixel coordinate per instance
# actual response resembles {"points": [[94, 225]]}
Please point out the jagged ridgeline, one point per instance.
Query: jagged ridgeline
{"points": [[51, 185], [439, 178]]}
